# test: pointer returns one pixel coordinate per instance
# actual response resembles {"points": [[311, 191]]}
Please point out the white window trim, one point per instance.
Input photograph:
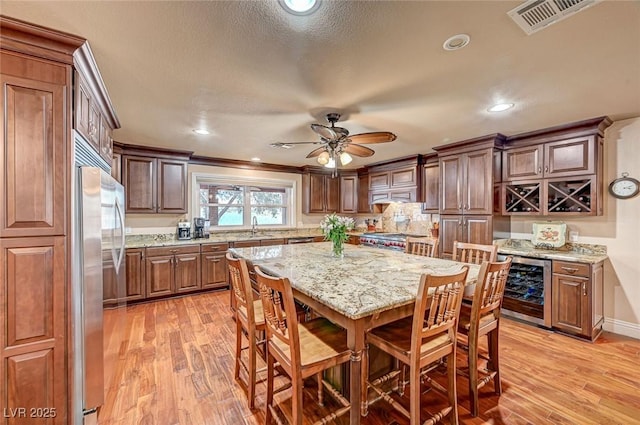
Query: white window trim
{"points": [[197, 178]]}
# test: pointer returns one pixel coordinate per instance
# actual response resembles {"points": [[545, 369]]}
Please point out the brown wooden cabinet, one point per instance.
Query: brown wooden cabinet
{"points": [[464, 228], [363, 194], [321, 193], [170, 270], [154, 185], [187, 272], [395, 182], [466, 182], [214, 265], [431, 187], [349, 194], [577, 298], [135, 274]]}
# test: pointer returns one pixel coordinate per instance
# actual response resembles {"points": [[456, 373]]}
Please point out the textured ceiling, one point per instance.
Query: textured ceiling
{"points": [[253, 74]]}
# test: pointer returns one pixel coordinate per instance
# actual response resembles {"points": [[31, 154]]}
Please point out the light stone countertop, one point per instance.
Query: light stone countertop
{"points": [[580, 253], [367, 280]]}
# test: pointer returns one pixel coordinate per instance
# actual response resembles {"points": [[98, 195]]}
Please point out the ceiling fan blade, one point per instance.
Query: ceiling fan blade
{"points": [[316, 152], [375, 137], [288, 145], [358, 150], [324, 131]]}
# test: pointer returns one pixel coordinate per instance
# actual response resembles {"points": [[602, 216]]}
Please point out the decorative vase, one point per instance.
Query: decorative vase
{"points": [[338, 249]]}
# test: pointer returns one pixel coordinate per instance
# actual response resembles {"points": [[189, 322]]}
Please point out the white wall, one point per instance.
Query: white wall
{"points": [[618, 229]]}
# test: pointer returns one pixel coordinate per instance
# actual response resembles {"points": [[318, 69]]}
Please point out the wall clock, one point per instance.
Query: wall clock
{"points": [[625, 187]]}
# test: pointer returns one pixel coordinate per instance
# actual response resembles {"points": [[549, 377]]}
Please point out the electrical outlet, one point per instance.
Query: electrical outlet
{"points": [[573, 236], [127, 230]]}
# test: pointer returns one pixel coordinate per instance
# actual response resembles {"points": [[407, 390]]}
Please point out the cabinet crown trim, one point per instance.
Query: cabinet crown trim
{"points": [[589, 127]]}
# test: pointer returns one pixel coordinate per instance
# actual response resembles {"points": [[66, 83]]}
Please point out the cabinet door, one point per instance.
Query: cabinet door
{"points": [[478, 185], [109, 282], [522, 163], [116, 167], [363, 194], [187, 272], [139, 181], [379, 181], [95, 122], [159, 276], [570, 304], [314, 193], [451, 184], [404, 177], [570, 157], [81, 107], [106, 143], [134, 274], [349, 194], [214, 270], [332, 193], [430, 187], [450, 231], [172, 186], [477, 229], [34, 168]]}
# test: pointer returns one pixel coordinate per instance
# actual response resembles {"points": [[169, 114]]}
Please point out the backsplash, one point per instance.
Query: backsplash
{"points": [[407, 218]]}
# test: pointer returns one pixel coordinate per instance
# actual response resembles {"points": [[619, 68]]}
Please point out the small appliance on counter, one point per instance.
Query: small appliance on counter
{"points": [[371, 224], [184, 230], [200, 228]]}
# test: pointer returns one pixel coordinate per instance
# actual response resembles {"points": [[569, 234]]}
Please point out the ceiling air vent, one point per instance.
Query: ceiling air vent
{"points": [[535, 15]]}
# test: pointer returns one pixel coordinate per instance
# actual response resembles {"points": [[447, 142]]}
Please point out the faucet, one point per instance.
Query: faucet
{"points": [[254, 223]]}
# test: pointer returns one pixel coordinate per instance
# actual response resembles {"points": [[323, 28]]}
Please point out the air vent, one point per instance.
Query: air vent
{"points": [[535, 15]]}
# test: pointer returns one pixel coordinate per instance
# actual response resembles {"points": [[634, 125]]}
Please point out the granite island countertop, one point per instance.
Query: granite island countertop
{"points": [[366, 281], [581, 253]]}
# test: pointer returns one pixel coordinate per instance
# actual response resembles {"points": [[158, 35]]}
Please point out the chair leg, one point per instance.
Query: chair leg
{"points": [[414, 395], [364, 391], [494, 355], [236, 371], [296, 401], [453, 393], [252, 369], [473, 376], [320, 392], [270, 365]]}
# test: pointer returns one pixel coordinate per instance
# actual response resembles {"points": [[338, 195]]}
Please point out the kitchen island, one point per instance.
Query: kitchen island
{"points": [[367, 288]]}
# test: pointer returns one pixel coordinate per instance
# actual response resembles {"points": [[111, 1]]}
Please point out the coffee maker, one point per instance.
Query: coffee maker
{"points": [[184, 230], [199, 230]]}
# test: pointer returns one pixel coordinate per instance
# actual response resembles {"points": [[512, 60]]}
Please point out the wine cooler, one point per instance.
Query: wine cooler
{"points": [[527, 294]]}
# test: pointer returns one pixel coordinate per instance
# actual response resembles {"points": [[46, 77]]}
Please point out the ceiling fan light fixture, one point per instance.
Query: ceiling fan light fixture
{"points": [[331, 163], [323, 158], [345, 158]]}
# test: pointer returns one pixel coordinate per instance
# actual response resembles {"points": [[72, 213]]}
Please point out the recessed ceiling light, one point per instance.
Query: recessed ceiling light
{"points": [[201, 131], [300, 7], [499, 107], [255, 159], [456, 42]]}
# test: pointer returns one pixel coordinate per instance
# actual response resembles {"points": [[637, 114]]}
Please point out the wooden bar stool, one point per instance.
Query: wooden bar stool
{"points": [[301, 349], [427, 247], [474, 253], [423, 340], [249, 319], [480, 319]]}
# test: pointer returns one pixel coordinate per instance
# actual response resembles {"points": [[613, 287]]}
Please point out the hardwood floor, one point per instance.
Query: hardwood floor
{"points": [[171, 362]]}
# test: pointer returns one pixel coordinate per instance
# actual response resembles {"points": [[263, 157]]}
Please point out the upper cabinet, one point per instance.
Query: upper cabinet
{"points": [[431, 185], [349, 193], [155, 181], [396, 181], [466, 180], [555, 171], [321, 193]]}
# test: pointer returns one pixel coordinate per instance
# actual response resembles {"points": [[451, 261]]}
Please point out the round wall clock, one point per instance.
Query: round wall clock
{"points": [[625, 187]]}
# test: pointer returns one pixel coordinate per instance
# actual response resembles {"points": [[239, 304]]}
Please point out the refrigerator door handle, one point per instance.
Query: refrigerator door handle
{"points": [[118, 261]]}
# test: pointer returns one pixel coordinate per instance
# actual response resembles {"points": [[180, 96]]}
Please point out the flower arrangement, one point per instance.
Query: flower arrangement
{"points": [[334, 228]]}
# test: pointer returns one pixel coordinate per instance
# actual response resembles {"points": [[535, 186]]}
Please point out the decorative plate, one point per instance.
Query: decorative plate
{"points": [[549, 235]]}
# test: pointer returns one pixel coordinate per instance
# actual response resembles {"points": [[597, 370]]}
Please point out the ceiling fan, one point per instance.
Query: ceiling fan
{"points": [[337, 144]]}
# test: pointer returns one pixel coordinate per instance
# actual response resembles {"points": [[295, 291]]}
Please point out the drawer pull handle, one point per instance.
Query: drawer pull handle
{"points": [[539, 170], [173, 250], [571, 270], [584, 289]]}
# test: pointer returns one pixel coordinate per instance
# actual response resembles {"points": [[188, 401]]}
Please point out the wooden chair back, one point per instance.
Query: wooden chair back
{"points": [[474, 253], [241, 284], [425, 246], [489, 291], [279, 314], [437, 307]]}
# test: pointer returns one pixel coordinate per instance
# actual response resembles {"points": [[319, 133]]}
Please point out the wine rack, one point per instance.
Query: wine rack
{"points": [[571, 197], [522, 197]]}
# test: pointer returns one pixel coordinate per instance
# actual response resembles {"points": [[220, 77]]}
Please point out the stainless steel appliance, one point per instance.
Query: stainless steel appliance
{"points": [[395, 241], [199, 228], [98, 253], [184, 230], [527, 294]]}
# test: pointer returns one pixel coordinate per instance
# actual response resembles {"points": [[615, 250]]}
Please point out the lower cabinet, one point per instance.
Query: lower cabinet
{"points": [[577, 301], [464, 228], [134, 274], [170, 270], [214, 266]]}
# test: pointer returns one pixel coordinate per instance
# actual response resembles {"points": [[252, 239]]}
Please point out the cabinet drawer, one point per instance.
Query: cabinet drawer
{"points": [[269, 242], [571, 268], [214, 247], [171, 250]]}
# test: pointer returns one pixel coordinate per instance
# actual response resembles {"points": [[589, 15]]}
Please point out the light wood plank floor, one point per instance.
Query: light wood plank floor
{"points": [[171, 362]]}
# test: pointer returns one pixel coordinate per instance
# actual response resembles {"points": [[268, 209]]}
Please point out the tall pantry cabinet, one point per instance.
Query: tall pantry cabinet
{"points": [[36, 157]]}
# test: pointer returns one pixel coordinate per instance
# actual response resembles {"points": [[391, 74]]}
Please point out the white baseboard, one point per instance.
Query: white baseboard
{"points": [[622, 328]]}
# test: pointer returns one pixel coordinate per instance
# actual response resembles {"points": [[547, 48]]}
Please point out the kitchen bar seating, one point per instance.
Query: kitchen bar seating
{"points": [[480, 319], [424, 246], [473, 253], [249, 318], [301, 349], [422, 340]]}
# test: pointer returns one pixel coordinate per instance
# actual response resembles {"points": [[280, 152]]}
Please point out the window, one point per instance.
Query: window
{"points": [[228, 205]]}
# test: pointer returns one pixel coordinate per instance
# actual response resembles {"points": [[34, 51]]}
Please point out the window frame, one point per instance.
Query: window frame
{"points": [[225, 180]]}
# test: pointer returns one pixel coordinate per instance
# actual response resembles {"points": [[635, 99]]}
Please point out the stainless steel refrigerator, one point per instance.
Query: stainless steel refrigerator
{"points": [[99, 244]]}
